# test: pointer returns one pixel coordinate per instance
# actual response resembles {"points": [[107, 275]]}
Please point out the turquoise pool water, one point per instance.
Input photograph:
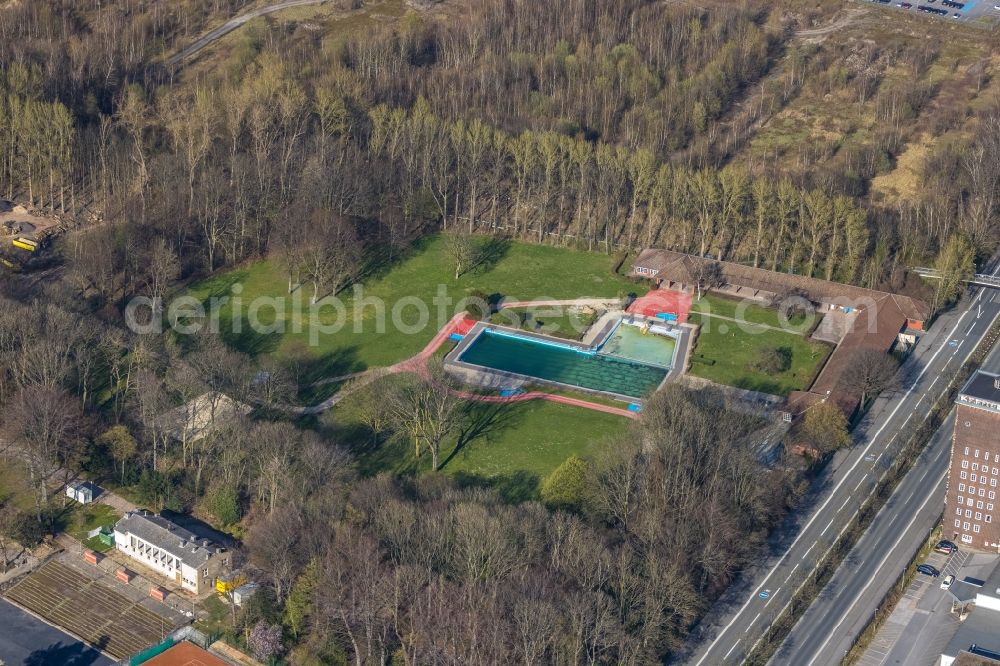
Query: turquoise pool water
{"points": [[630, 342], [555, 362]]}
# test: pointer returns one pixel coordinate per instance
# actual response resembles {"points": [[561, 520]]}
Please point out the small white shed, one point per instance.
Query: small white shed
{"points": [[81, 492]]}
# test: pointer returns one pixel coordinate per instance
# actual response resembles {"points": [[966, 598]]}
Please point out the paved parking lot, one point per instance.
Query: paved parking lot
{"points": [[973, 11], [921, 625], [27, 641]]}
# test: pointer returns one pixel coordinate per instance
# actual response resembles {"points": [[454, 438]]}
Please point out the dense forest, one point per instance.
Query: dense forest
{"points": [[601, 125]]}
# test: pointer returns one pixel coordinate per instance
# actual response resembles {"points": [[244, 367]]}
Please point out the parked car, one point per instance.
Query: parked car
{"points": [[945, 546], [946, 583], [928, 570]]}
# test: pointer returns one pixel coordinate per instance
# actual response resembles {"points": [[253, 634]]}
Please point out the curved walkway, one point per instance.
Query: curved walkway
{"points": [[417, 364], [233, 24]]}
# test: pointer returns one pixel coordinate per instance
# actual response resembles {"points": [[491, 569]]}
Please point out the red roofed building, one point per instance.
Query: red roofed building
{"points": [[879, 320]]}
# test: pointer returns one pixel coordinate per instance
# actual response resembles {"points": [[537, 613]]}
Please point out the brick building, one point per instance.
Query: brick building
{"points": [[972, 510]]}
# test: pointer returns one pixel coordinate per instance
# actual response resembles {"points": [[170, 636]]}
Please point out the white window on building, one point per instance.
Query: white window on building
{"points": [[965, 464], [968, 513], [989, 506], [977, 453], [965, 475], [974, 478], [961, 487], [975, 528], [961, 500], [966, 450], [979, 516], [958, 523], [958, 511], [975, 467], [993, 483], [989, 518], [979, 504], [966, 538], [993, 495], [965, 526]]}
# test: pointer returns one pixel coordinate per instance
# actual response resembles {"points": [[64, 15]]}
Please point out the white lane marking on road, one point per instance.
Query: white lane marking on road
{"points": [[810, 548], [971, 326], [827, 526], [735, 645], [790, 573], [836, 488], [872, 579], [860, 482], [771, 598], [844, 504], [753, 622]]}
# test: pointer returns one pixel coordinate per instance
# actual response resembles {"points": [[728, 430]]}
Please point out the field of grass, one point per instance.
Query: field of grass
{"points": [[511, 447], [14, 486], [747, 311], [369, 337], [568, 323], [725, 353]]}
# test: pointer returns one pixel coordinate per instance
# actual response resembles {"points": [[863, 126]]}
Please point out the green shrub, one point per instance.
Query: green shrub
{"points": [[223, 502], [478, 305], [773, 360], [566, 486]]}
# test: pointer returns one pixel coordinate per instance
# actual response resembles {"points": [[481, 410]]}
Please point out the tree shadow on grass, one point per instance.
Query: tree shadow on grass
{"points": [[514, 488], [379, 259], [491, 253], [482, 419], [337, 363]]}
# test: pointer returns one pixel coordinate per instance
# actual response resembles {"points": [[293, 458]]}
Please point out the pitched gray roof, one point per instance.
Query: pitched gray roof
{"points": [[167, 536]]}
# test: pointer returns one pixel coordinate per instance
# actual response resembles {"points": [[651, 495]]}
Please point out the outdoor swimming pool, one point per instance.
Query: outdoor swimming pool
{"points": [[628, 341], [562, 362]]}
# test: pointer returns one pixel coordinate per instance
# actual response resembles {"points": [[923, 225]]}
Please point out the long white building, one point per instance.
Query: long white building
{"points": [[171, 550]]}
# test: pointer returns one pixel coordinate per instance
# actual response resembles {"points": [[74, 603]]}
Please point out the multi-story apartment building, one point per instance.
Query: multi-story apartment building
{"points": [[972, 510], [171, 550]]}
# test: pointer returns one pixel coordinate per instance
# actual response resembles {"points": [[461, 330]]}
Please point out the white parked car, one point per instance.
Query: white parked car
{"points": [[946, 583]]}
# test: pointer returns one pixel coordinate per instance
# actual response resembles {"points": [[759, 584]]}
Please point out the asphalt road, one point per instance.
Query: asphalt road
{"points": [[233, 24], [743, 614], [828, 629], [27, 641]]}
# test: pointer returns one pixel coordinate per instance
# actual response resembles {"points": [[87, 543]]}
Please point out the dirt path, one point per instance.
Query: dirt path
{"points": [[233, 24], [839, 24]]}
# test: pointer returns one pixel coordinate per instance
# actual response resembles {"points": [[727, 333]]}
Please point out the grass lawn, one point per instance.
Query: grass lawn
{"points": [[725, 353], [86, 517], [517, 271], [568, 323], [14, 485], [748, 311], [511, 447]]}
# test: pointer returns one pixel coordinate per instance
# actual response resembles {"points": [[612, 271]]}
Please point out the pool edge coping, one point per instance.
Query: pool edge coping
{"points": [[453, 358]]}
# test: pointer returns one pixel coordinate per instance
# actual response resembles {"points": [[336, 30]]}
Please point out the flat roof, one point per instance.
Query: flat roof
{"points": [[970, 659], [186, 653], [981, 628], [982, 391]]}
